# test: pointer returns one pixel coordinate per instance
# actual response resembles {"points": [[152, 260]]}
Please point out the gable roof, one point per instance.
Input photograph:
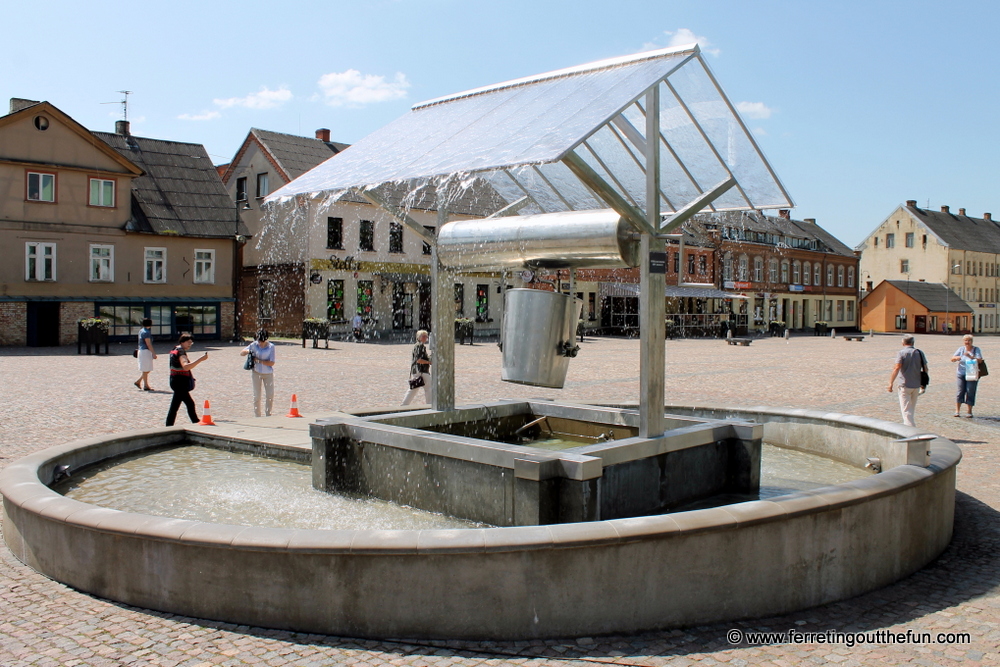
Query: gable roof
{"points": [[530, 138], [30, 107], [935, 297], [180, 192], [960, 232], [778, 226], [296, 155]]}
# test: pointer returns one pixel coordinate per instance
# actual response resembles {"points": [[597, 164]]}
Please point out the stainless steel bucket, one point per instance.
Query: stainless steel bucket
{"points": [[539, 333]]}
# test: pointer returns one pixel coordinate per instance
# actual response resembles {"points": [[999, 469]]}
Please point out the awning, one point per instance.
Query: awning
{"points": [[672, 291]]}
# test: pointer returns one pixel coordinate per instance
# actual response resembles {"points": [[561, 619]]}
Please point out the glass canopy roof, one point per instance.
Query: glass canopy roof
{"points": [[518, 138]]}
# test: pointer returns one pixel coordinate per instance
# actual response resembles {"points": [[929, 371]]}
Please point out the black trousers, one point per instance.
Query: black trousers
{"points": [[180, 384]]}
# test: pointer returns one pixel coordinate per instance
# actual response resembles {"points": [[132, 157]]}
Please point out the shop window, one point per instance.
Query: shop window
{"points": [[335, 300], [459, 300], [198, 320], [127, 320], [366, 304], [482, 303]]}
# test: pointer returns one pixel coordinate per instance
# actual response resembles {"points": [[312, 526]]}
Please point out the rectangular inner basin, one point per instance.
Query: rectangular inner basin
{"points": [[528, 463]]}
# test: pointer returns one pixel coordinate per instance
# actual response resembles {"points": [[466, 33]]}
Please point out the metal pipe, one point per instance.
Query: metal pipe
{"points": [[579, 239]]}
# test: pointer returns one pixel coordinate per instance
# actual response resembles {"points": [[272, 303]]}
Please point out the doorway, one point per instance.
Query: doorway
{"points": [[43, 324]]}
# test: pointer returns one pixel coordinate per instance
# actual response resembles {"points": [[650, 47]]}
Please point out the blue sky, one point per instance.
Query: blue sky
{"points": [[858, 105]]}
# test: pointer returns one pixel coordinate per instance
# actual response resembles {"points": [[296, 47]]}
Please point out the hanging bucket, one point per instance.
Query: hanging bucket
{"points": [[539, 332]]}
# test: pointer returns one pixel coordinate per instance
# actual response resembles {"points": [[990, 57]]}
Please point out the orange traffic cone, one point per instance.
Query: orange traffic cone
{"points": [[206, 416], [294, 412]]}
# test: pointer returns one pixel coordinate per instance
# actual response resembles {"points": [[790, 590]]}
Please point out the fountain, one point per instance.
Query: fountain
{"points": [[598, 166]]}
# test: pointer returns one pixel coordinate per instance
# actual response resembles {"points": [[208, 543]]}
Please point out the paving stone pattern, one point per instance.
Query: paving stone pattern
{"points": [[54, 395]]}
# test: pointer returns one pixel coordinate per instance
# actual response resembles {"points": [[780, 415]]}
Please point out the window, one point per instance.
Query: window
{"points": [[262, 190], [335, 300], [366, 240], [956, 269], [365, 298], [850, 276], [677, 261], [102, 192], [702, 264], [335, 233], [772, 271], [876, 241], [850, 312], [459, 300], [40, 261], [727, 266], [395, 237], [840, 310], [592, 306], [156, 265], [796, 272], [241, 189], [925, 247], [840, 276], [806, 273], [909, 240], [204, 266], [203, 320], [690, 258], [41, 187], [127, 320], [829, 275], [265, 301], [817, 275], [829, 311], [890, 240], [102, 263], [482, 303], [904, 266], [426, 247], [758, 270], [784, 271]]}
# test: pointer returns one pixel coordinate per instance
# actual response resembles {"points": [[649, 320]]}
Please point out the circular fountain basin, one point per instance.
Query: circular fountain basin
{"points": [[744, 560]]}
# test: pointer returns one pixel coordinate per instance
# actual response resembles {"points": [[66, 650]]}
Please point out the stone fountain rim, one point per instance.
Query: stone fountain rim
{"points": [[20, 484]]}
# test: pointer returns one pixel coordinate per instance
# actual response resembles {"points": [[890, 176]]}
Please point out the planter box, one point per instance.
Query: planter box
{"points": [[317, 331], [93, 336], [463, 331]]}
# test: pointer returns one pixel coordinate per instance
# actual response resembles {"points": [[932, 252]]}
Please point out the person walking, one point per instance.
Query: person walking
{"points": [[909, 362], [968, 357], [145, 355], [420, 370], [356, 323], [263, 353], [181, 379]]}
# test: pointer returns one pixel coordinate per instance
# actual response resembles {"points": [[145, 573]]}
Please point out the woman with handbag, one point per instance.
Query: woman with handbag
{"points": [[968, 357], [181, 379], [260, 359], [420, 370]]}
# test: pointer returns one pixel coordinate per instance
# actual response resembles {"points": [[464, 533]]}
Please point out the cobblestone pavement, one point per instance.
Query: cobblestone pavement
{"points": [[54, 396]]}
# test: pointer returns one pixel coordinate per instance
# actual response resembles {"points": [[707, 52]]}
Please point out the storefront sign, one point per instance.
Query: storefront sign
{"points": [[987, 305], [740, 285], [796, 288]]}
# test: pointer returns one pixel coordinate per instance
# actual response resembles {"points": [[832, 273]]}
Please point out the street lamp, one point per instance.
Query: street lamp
{"points": [[947, 299], [238, 241]]}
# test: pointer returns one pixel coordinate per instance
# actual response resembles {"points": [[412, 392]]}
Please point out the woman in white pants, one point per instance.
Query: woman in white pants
{"points": [[420, 367], [263, 371]]}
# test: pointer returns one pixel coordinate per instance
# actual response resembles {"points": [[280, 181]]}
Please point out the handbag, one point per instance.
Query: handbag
{"points": [[925, 378], [417, 382], [983, 371], [191, 378], [135, 353], [248, 364]]}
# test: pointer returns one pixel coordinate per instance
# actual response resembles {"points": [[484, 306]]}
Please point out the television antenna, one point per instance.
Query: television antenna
{"points": [[124, 103]]}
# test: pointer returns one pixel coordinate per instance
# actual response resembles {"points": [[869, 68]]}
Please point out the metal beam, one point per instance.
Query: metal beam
{"points": [[443, 325], [652, 292], [511, 208], [608, 194], [400, 216], [703, 200]]}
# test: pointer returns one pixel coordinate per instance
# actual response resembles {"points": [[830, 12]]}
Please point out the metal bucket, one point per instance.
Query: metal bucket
{"points": [[575, 239], [539, 332]]}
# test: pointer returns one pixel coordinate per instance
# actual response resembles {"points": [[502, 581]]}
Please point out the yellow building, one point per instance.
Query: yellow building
{"points": [[959, 251]]}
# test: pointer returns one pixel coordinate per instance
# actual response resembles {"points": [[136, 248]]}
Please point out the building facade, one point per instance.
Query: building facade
{"points": [[110, 225], [958, 251]]}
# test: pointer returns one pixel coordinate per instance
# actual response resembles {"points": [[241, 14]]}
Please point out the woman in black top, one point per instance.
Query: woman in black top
{"points": [[420, 367], [181, 380]]}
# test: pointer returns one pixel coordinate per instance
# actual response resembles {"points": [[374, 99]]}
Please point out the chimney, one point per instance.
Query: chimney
{"points": [[961, 211], [783, 213], [811, 221], [323, 134], [121, 127], [18, 103], [911, 203], [987, 216], [944, 209]]}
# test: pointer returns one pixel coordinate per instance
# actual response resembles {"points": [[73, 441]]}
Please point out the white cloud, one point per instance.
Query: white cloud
{"points": [[262, 99], [684, 36], [208, 115], [352, 88], [757, 110]]}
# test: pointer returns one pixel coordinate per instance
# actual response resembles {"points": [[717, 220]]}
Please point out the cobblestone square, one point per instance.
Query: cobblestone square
{"points": [[65, 396]]}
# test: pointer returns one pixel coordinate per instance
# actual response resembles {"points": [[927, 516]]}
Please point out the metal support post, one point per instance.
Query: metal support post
{"points": [[443, 319], [652, 300]]}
